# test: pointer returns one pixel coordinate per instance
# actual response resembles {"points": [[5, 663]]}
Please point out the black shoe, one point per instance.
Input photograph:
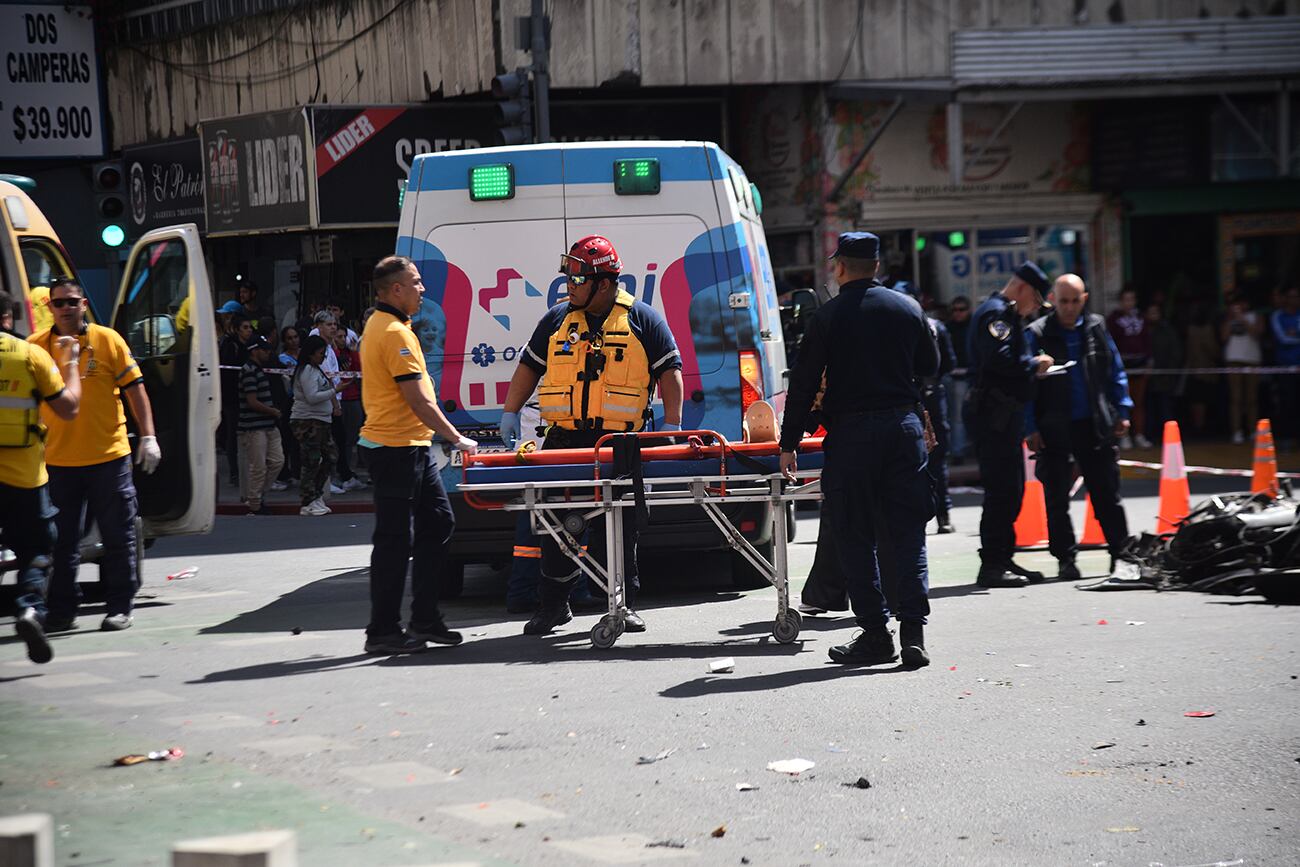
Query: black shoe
{"points": [[945, 526], [29, 629], [521, 606], [1028, 574], [996, 575], [871, 647], [911, 637], [263, 510], [435, 631], [1068, 571], [390, 645], [633, 622], [59, 624], [548, 618]]}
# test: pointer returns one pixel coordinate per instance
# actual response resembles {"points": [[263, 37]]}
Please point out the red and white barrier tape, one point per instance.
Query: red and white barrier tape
{"points": [[1205, 471], [1198, 371]]}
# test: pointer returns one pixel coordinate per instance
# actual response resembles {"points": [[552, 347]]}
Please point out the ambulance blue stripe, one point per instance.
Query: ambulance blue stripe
{"points": [[450, 170]]}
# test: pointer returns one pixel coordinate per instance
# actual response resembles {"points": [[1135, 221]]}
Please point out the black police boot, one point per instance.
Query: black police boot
{"points": [[1028, 574], [997, 575], [1068, 570], [945, 525], [911, 637], [632, 622], [552, 607], [871, 647]]}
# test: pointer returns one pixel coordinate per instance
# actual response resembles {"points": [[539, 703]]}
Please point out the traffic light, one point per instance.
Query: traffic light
{"points": [[514, 114], [109, 183]]}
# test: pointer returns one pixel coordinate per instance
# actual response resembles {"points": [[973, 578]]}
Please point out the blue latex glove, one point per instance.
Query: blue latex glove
{"points": [[669, 426], [510, 428]]}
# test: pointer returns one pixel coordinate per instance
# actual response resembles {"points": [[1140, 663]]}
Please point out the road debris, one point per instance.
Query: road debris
{"points": [[152, 756], [720, 831], [794, 767], [750, 787], [859, 783], [1103, 745], [1199, 714], [722, 666], [187, 572], [1135, 623], [1141, 722], [666, 844], [657, 757], [1127, 829]]}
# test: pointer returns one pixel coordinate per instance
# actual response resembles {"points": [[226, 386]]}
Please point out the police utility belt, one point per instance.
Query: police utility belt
{"points": [[996, 407]]}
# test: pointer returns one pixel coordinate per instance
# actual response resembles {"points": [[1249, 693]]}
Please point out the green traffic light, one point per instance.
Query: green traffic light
{"points": [[112, 235], [956, 239], [920, 243]]}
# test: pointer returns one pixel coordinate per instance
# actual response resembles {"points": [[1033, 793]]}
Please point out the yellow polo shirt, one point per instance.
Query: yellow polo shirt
{"points": [[25, 467], [98, 433], [391, 354]]}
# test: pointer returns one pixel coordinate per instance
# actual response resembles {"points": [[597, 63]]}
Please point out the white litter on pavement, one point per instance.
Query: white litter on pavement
{"points": [[791, 766]]}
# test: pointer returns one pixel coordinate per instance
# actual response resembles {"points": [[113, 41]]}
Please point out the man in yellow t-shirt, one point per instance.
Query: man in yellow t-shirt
{"points": [[90, 462], [29, 377], [401, 416]]}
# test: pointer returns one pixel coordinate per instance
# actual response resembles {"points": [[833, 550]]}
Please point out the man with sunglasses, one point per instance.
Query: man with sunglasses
{"points": [[89, 461], [601, 353]]}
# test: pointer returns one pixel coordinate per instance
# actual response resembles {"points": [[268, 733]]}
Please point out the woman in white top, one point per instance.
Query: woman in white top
{"points": [[1241, 331], [314, 406]]}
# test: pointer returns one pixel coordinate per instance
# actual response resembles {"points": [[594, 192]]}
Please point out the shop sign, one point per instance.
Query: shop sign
{"points": [[255, 170], [165, 182], [51, 82]]}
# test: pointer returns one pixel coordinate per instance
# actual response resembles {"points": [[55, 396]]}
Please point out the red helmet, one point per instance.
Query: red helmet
{"points": [[591, 255]]}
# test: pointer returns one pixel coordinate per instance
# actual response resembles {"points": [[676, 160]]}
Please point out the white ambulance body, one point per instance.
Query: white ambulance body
{"points": [[486, 229]]}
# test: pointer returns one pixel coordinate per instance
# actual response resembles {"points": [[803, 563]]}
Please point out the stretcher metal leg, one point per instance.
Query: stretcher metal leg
{"points": [[788, 621], [612, 625]]}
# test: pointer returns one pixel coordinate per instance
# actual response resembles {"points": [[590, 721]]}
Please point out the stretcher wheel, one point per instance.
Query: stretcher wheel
{"points": [[575, 524], [786, 629], [606, 632]]}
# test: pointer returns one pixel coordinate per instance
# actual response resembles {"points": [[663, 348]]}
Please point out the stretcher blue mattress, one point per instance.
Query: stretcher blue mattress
{"points": [[650, 470]]}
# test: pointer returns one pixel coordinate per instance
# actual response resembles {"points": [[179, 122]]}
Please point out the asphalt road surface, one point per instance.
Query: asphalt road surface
{"points": [[1051, 728]]}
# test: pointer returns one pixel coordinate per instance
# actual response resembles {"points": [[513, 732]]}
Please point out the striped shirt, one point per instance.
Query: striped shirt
{"points": [[253, 381]]}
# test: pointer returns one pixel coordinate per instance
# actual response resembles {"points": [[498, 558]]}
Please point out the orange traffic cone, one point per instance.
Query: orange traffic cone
{"points": [[1175, 498], [1264, 476], [1031, 523], [1092, 536]]}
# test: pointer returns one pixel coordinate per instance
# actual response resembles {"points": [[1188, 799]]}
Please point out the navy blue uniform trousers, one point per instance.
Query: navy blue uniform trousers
{"points": [[27, 529], [876, 461], [107, 492], [1002, 472]]}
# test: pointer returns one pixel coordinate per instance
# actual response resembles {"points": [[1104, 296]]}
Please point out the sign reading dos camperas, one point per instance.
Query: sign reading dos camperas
{"points": [[49, 105]]}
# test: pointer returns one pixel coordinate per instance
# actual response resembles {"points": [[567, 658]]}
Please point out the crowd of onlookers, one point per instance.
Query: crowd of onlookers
{"points": [[291, 402], [1158, 336]]}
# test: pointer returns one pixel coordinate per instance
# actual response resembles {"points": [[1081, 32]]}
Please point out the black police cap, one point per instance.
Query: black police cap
{"points": [[857, 245]]}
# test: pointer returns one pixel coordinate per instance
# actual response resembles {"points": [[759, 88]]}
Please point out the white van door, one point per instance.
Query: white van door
{"points": [[164, 312]]}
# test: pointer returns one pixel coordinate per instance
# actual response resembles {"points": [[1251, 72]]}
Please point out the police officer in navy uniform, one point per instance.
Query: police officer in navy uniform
{"points": [[595, 360], [1003, 374], [872, 343]]}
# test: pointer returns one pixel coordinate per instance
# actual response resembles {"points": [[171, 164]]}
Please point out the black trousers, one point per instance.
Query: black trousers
{"points": [[413, 521], [1002, 472], [1098, 464], [936, 403], [557, 566]]}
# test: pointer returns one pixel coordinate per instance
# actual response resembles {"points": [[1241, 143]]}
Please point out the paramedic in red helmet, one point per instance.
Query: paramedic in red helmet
{"points": [[598, 356]]}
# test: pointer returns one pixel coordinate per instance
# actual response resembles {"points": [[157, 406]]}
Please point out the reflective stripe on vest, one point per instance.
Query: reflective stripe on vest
{"points": [[20, 420], [600, 381]]}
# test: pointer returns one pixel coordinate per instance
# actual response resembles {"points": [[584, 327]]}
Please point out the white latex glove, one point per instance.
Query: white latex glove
{"points": [[465, 444], [510, 428], [147, 454]]}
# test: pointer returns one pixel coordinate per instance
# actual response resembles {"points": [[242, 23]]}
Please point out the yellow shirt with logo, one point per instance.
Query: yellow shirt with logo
{"points": [[98, 433], [390, 355], [25, 467]]}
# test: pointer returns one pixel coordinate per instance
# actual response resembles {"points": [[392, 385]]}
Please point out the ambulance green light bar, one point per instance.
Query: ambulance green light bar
{"points": [[491, 182], [636, 177]]}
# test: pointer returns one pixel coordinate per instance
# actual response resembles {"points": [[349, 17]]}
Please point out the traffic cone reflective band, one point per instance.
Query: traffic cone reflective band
{"points": [[1092, 534], [1031, 523], [1175, 498], [1264, 476]]}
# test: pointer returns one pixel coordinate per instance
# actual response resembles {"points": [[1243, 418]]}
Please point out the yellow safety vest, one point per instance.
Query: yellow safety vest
{"points": [[20, 403], [596, 380]]}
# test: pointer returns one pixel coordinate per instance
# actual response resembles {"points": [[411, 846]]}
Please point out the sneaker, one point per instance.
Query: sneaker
{"points": [[391, 645], [319, 505], [632, 622], [435, 631], [278, 485], [60, 624], [1238, 438], [870, 647], [28, 627], [116, 623], [337, 489], [311, 510], [945, 526], [1142, 442], [353, 484], [1126, 442]]}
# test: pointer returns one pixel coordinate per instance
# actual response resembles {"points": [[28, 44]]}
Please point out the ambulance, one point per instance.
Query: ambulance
{"points": [[164, 311], [486, 229]]}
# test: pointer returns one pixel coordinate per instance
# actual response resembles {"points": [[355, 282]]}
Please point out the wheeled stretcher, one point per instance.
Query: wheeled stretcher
{"points": [[562, 490]]}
